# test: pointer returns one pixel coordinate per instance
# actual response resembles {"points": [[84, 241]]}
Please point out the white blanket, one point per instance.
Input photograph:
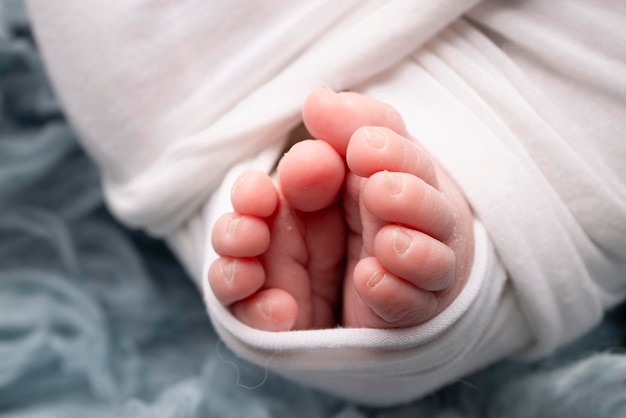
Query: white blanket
{"points": [[523, 102]]}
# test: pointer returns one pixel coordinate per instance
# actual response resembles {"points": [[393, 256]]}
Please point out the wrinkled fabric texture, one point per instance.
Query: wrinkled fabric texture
{"points": [[100, 321], [191, 93]]}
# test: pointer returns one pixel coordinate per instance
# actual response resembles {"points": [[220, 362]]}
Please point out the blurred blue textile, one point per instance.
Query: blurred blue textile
{"points": [[99, 321]]}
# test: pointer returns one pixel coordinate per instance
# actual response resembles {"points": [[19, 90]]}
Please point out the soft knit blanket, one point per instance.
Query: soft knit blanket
{"points": [[99, 321]]}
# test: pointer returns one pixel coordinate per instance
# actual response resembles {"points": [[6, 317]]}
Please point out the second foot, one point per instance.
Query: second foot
{"points": [[282, 249], [410, 233]]}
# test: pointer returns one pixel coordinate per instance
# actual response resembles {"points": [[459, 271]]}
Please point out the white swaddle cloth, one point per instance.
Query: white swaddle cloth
{"points": [[174, 100]]}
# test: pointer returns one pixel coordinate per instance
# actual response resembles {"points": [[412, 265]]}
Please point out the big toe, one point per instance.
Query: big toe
{"points": [[311, 175], [334, 117]]}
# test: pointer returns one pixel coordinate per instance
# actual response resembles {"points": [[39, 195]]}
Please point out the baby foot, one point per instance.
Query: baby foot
{"points": [[283, 248], [395, 244], [410, 233]]}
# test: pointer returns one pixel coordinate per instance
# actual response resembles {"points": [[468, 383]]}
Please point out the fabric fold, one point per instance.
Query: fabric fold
{"points": [[516, 202], [143, 192], [173, 117]]}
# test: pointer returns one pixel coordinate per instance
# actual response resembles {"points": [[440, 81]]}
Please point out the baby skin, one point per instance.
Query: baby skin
{"points": [[360, 227]]}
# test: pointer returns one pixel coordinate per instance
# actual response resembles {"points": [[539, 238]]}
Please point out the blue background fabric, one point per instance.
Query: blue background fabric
{"points": [[100, 321]]}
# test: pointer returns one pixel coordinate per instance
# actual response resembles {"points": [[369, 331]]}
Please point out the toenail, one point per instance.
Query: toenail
{"points": [[375, 279], [400, 241], [266, 307], [240, 180], [393, 182], [375, 138], [229, 270], [232, 225]]}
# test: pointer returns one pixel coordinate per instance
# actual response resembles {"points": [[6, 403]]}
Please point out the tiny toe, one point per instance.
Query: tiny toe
{"points": [[415, 257], [406, 199], [372, 149], [268, 310], [388, 301], [237, 235], [333, 117], [311, 175], [234, 279], [253, 193]]}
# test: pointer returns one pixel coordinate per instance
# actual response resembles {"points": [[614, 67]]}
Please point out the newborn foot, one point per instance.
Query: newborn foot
{"points": [[385, 243], [410, 234], [283, 248]]}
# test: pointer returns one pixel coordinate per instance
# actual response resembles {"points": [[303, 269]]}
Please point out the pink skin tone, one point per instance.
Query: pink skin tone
{"points": [[360, 228]]}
